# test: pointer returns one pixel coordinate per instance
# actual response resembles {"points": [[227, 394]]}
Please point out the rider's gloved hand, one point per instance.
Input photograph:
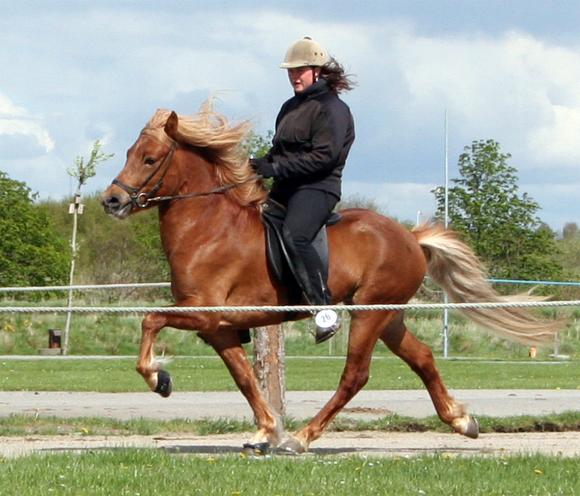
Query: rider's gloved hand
{"points": [[262, 166]]}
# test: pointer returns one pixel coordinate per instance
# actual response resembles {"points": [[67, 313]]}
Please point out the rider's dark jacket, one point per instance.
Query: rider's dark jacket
{"points": [[314, 133]]}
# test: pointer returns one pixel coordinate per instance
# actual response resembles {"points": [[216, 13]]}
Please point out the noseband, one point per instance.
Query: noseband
{"points": [[142, 199]]}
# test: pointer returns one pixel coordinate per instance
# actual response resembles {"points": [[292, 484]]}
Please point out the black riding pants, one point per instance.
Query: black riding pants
{"points": [[307, 210]]}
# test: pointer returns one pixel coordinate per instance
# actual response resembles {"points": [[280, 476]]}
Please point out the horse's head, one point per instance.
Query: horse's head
{"points": [[148, 162], [176, 153]]}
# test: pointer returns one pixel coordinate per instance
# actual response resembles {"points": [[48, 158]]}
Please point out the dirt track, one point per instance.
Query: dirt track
{"points": [[367, 405], [343, 444]]}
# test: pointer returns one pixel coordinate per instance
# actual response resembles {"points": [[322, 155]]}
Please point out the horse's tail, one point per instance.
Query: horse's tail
{"points": [[456, 269]]}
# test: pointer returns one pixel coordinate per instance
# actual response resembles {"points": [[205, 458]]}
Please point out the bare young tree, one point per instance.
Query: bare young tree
{"points": [[83, 170]]}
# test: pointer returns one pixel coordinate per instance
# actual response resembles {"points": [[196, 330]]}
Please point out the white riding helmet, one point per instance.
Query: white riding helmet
{"points": [[305, 53]]}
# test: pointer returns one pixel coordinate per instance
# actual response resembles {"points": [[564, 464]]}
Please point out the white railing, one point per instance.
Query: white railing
{"points": [[253, 308], [286, 308], [83, 287]]}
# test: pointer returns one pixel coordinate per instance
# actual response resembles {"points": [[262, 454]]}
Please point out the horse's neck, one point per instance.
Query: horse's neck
{"points": [[183, 220], [193, 229], [187, 220], [188, 224]]}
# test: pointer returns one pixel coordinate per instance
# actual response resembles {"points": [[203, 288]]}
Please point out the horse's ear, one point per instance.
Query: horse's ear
{"points": [[171, 125]]}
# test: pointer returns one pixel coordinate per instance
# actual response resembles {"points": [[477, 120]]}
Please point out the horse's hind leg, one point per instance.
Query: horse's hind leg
{"points": [[420, 358], [228, 346], [365, 329]]}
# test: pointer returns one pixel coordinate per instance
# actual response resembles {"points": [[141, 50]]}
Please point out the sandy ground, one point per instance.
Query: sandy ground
{"points": [[333, 443], [367, 405]]}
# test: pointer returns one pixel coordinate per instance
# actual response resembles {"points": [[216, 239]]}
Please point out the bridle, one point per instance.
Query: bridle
{"points": [[142, 199]]}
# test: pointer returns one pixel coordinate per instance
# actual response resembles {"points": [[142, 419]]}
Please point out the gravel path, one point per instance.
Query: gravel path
{"points": [[300, 405]]}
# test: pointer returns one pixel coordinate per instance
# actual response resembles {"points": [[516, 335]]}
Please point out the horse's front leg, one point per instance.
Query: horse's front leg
{"points": [[157, 379], [270, 429]]}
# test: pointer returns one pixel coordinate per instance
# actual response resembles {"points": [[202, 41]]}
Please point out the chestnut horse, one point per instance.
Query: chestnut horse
{"points": [[194, 169]]}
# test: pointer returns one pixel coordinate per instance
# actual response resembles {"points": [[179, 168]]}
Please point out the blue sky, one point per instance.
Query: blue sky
{"points": [[75, 71]]}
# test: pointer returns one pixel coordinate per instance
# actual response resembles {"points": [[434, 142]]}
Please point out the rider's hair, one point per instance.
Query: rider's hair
{"points": [[338, 79]]}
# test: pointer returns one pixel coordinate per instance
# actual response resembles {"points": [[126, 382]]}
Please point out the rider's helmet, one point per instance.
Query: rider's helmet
{"points": [[305, 53]]}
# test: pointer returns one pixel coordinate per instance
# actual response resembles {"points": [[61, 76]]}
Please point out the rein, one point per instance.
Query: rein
{"points": [[215, 191], [142, 199]]}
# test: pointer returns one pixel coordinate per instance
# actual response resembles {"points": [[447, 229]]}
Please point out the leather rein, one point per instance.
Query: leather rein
{"points": [[142, 199]]}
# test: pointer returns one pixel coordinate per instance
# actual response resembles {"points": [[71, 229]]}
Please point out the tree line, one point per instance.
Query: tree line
{"points": [[485, 207]]}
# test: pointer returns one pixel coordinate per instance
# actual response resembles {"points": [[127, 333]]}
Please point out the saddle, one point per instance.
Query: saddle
{"points": [[279, 258]]}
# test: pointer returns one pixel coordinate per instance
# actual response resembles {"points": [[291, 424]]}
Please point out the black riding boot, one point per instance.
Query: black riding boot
{"points": [[312, 276]]}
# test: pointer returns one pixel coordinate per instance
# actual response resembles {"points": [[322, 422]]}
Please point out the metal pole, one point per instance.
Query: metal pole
{"points": [[446, 223]]}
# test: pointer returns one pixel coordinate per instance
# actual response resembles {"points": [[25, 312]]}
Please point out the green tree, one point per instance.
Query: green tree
{"points": [[570, 230], [84, 169], [110, 250], [359, 201], [498, 222], [569, 253], [257, 145], [31, 252]]}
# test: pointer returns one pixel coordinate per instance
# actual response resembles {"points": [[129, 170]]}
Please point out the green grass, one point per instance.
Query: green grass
{"points": [[27, 425], [302, 374], [155, 472]]}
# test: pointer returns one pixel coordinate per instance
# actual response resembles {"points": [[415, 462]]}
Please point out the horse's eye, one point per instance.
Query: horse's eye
{"points": [[149, 161]]}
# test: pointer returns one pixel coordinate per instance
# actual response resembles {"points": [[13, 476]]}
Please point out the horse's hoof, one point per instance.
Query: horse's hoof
{"points": [[293, 445], [245, 336], [472, 429], [256, 449], [164, 386]]}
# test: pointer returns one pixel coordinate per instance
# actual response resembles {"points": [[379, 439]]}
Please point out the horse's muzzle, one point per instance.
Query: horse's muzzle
{"points": [[116, 205]]}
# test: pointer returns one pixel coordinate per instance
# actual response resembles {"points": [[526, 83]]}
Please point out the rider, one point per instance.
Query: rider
{"points": [[314, 133]]}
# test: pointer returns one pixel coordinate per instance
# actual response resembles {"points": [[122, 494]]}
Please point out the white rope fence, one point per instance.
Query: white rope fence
{"points": [[83, 287], [287, 308]]}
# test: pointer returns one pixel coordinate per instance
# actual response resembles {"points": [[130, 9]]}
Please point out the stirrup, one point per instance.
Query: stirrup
{"points": [[327, 325]]}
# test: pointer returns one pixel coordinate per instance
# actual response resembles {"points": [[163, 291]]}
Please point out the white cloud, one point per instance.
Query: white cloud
{"points": [[101, 70], [16, 122], [558, 138], [513, 88], [8, 108]]}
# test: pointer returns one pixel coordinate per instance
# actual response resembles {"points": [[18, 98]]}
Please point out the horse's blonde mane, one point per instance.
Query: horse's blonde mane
{"points": [[223, 141]]}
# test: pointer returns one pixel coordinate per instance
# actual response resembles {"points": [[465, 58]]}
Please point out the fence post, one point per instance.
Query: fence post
{"points": [[269, 365]]}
